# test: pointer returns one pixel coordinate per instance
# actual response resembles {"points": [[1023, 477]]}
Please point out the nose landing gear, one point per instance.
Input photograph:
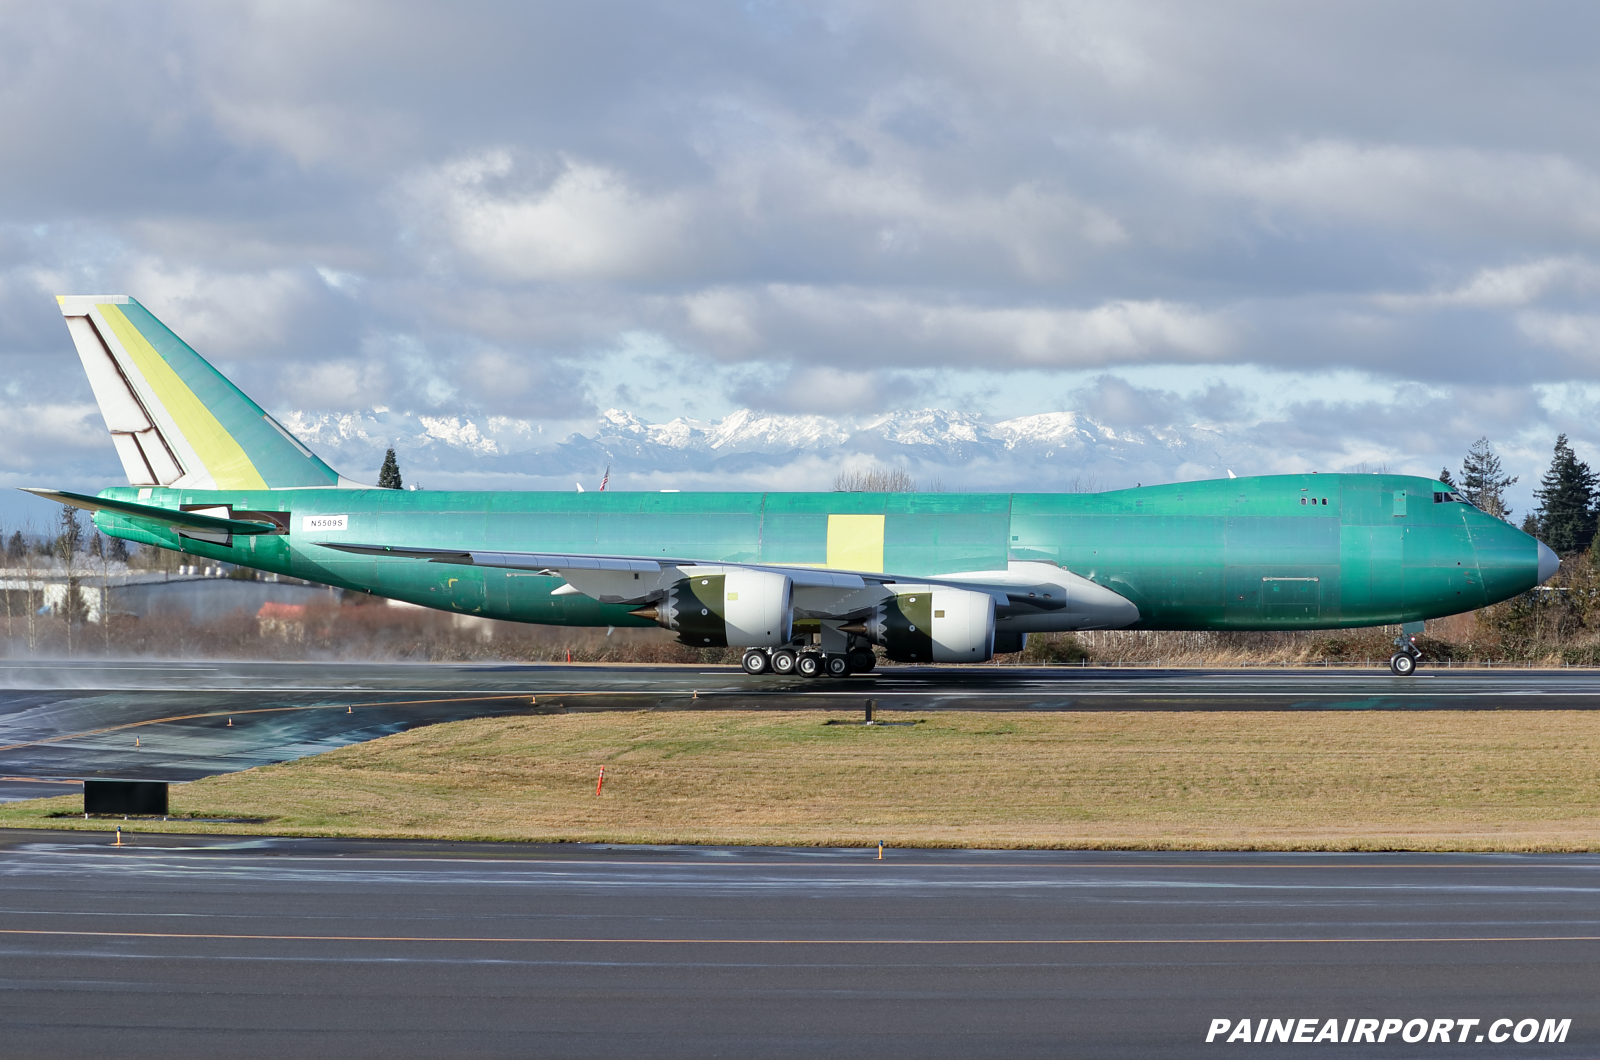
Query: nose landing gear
{"points": [[1404, 662]]}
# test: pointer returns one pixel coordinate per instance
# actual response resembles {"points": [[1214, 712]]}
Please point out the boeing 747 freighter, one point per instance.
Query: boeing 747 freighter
{"points": [[805, 582]]}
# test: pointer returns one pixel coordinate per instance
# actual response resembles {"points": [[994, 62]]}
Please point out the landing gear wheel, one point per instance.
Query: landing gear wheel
{"points": [[808, 664], [862, 661], [755, 662], [838, 666], [1403, 664], [783, 662]]}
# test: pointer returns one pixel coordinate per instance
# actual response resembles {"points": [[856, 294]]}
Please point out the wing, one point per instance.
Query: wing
{"points": [[585, 572], [1058, 597]]}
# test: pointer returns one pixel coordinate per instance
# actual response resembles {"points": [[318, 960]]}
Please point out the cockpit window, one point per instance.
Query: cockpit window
{"points": [[1448, 498]]}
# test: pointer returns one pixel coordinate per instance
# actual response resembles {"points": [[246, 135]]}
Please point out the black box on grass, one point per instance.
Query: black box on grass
{"points": [[125, 796]]}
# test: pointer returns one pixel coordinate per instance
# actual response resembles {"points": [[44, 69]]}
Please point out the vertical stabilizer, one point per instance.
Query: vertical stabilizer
{"points": [[175, 420]]}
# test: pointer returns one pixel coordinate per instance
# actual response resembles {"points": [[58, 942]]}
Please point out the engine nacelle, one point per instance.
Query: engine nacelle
{"points": [[934, 624], [739, 609]]}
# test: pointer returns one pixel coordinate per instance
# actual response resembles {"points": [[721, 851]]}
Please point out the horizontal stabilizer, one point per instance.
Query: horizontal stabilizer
{"points": [[166, 516]]}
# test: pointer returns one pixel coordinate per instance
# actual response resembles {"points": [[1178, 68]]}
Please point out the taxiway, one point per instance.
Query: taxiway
{"points": [[195, 945]]}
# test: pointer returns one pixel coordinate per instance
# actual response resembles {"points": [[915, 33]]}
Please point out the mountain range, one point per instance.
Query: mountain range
{"points": [[758, 450]]}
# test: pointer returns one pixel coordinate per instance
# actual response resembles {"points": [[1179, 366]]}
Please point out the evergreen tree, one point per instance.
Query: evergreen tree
{"points": [[1484, 481], [389, 474], [16, 548], [118, 550], [70, 543], [1444, 476], [1566, 501]]}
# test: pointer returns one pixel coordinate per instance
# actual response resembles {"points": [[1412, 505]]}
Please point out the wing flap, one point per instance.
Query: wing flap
{"points": [[507, 560]]}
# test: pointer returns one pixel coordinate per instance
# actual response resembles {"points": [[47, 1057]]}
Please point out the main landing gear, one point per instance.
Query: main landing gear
{"points": [[808, 663], [1404, 662]]}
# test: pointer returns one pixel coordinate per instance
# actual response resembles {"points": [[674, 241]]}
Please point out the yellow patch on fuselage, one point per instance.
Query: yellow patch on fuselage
{"points": [[225, 461], [855, 542]]}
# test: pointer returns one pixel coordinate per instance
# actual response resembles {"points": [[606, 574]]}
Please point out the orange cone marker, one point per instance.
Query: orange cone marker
{"points": [[601, 782]]}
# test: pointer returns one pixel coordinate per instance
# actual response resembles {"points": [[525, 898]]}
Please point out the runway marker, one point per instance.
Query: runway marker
{"points": [[601, 782]]}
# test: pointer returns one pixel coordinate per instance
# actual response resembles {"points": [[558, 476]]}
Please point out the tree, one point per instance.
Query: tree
{"points": [[874, 480], [1484, 481], [389, 474], [16, 548], [68, 544], [1566, 501], [5, 565], [1444, 476], [70, 541]]}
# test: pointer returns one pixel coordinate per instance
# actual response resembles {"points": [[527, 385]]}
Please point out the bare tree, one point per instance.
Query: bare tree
{"points": [[874, 480], [98, 549], [30, 559], [67, 545], [5, 575]]}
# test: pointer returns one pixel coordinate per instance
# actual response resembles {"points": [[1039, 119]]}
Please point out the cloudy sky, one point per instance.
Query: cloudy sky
{"points": [[1353, 233]]}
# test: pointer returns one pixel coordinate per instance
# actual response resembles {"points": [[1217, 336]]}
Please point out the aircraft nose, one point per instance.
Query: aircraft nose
{"points": [[1549, 563]]}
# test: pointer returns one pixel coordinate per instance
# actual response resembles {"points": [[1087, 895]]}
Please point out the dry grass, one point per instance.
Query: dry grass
{"points": [[1331, 781]]}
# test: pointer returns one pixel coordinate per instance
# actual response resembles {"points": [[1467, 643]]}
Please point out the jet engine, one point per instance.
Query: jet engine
{"points": [[738, 609], [933, 624]]}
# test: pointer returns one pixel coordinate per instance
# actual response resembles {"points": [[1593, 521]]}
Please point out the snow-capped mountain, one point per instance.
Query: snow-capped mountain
{"points": [[757, 450]]}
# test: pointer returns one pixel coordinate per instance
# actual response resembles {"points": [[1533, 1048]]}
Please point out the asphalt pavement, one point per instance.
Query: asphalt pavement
{"points": [[180, 946]]}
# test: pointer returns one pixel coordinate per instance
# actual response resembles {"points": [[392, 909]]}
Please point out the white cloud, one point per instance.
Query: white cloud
{"points": [[1452, 189], [221, 314], [843, 325], [588, 223]]}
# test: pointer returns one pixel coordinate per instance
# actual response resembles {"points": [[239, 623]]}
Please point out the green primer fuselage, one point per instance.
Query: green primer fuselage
{"points": [[1248, 553]]}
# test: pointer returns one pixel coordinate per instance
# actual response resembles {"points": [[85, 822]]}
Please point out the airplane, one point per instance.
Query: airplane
{"points": [[806, 583]]}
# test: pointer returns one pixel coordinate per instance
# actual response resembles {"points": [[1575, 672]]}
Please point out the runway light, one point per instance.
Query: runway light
{"points": [[136, 741], [230, 723]]}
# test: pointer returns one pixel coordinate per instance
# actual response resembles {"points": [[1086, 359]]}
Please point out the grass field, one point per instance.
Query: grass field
{"points": [[1329, 781]]}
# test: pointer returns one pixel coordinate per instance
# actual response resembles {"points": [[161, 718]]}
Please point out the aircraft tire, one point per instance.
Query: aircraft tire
{"points": [[808, 664], [783, 662], [1402, 664], [837, 665], [755, 662], [862, 662]]}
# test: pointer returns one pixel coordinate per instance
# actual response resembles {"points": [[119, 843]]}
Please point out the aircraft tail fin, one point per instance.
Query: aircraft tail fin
{"points": [[176, 420]]}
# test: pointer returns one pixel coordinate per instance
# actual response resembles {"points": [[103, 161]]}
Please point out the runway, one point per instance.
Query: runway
{"points": [[209, 946], [184, 720]]}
